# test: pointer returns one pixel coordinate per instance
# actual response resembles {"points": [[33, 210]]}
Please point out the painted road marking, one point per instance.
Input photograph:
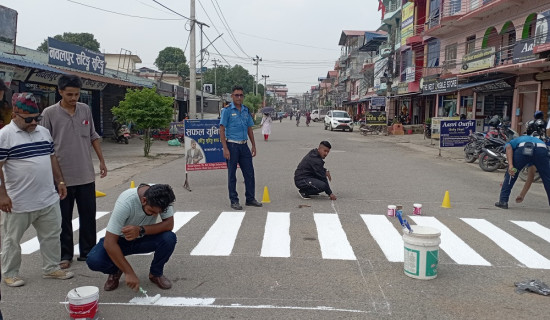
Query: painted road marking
{"points": [[32, 245], [220, 238], [332, 238], [455, 248], [535, 228], [521, 252], [388, 238], [276, 241]]}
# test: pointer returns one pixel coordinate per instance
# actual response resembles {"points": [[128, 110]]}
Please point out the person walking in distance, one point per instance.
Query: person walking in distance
{"points": [[298, 115], [311, 177], [72, 128], [235, 130], [29, 174], [266, 125]]}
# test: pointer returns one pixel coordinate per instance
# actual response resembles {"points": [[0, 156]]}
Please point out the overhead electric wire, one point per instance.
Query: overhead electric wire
{"points": [[122, 14], [173, 11], [216, 28], [226, 24]]}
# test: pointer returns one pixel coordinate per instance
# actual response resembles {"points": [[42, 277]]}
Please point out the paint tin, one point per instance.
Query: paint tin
{"points": [[391, 210], [417, 209]]}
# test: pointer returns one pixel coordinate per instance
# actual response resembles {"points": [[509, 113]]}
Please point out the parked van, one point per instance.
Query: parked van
{"points": [[318, 114]]}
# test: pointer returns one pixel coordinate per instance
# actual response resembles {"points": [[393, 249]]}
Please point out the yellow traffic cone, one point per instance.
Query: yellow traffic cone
{"points": [[446, 200], [132, 184], [265, 198], [99, 194]]}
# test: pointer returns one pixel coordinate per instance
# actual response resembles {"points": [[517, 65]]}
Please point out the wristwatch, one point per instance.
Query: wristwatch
{"points": [[141, 231]]}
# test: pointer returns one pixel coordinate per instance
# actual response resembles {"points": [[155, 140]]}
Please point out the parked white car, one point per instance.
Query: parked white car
{"points": [[338, 119]]}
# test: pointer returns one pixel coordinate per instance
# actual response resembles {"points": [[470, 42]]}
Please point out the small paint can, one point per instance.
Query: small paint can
{"points": [[391, 210], [417, 209]]}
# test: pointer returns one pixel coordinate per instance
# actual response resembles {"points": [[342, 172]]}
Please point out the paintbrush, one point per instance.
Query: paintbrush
{"points": [[152, 300]]}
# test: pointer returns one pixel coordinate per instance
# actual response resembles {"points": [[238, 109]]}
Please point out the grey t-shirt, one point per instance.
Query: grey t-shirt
{"points": [[72, 136], [129, 212]]}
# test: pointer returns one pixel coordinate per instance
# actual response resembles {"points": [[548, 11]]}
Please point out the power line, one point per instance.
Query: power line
{"points": [[211, 21], [224, 21], [122, 14]]}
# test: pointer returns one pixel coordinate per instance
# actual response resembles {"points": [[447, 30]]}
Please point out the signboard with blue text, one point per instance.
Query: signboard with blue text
{"points": [[203, 147], [454, 133], [75, 57]]}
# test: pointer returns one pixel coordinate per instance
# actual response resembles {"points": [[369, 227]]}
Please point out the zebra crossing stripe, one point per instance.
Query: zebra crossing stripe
{"points": [[384, 233], [521, 252], [455, 247], [220, 238], [276, 241], [535, 228], [332, 238], [32, 245], [180, 219]]}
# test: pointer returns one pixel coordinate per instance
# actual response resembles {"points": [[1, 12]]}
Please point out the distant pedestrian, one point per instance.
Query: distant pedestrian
{"points": [[133, 229], [308, 118], [72, 128], [291, 115], [235, 125], [311, 177], [5, 105], [266, 125], [298, 118], [28, 192]]}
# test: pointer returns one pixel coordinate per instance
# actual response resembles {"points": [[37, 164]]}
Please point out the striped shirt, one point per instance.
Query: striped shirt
{"points": [[27, 167]]}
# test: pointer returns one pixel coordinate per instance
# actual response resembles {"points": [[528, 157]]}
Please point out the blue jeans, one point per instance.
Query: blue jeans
{"points": [[240, 154], [161, 244], [539, 159]]}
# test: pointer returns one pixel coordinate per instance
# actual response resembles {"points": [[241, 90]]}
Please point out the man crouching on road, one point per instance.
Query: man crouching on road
{"points": [[311, 177], [133, 229]]}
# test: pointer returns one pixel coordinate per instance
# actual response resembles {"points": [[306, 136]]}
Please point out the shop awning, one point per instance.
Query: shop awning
{"points": [[97, 78], [22, 62]]}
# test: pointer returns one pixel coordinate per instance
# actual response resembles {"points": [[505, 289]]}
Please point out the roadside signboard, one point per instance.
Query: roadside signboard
{"points": [[454, 133], [203, 148]]}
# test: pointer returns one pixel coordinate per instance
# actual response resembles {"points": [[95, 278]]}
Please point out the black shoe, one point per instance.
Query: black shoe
{"points": [[82, 258], [254, 203], [236, 206], [502, 205], [304, 195]]}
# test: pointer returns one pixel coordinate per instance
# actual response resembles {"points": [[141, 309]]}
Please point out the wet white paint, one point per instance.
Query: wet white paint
{"points": [[453, 246], [276, 241], [384, 233], [535, 228], [172, 301], [332, 238], [220, 238], [513, 246]]}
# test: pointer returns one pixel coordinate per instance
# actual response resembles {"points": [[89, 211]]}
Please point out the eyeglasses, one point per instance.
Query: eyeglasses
{"points": [[238, 95], [30, 119]]}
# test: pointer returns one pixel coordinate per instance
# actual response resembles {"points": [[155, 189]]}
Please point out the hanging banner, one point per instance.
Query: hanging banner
{"points": [[203, 148], [454, 133], [71, 56], [407, 22], [478, 60], [542, 36]]}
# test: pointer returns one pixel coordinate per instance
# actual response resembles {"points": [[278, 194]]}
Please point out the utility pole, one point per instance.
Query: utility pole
{"points": [[202, 78], [193, 66], [256, 63], [265, 86], [215, 76]]}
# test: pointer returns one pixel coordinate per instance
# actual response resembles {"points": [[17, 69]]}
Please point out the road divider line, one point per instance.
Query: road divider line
{"points": [[384, 233], [220, 238], [517, 249], [276, 241], [535, 228], [332, 238]]}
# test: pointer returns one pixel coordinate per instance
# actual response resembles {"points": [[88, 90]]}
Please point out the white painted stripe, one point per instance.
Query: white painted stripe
{"points": [[220, 239], [455, 247], [535, 228], [385, 234], [276, 235], [32, 245], [524, 254], [173, 301], [332, 238]]}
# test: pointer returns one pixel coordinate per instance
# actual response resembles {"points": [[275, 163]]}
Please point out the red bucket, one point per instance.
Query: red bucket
{"points": [[83, 302]]}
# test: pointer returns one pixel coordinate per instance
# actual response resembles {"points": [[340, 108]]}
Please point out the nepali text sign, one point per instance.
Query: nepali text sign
{"points": [[542, 36], [75, 57], [48, 77], [375, 118], [378, 102], [454, 133], [478, 60], [203, 148], [440, 85], [407, 25]]}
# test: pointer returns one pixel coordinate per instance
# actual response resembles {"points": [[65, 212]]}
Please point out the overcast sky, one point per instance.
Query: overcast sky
{"points": [[296, 39]]}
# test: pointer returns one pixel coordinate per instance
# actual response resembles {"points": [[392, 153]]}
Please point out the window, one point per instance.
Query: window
{"points": [[433, 53], [470, 44], [454, 6], [450, 55]]}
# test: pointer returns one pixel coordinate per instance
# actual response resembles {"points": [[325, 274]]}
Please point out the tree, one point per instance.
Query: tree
{"points": [[83, 39], [226, 78], [172, 59], [147, 110], [253, 102]]}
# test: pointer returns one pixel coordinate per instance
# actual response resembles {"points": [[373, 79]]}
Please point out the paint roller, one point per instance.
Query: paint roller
{"points": [[152, 300]]}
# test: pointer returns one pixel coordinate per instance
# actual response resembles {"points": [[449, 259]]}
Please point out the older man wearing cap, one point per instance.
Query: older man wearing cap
{"points": [[27, 191]]}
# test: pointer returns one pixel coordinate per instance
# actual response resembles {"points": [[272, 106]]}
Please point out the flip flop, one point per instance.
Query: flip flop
{"points": [[65, 264]]}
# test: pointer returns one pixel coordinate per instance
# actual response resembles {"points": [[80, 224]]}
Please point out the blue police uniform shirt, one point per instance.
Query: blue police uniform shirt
{"points": [[236, 122], [515, 142]]}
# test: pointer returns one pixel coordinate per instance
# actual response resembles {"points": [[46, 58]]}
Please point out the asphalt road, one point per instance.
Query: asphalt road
{"points": [[332, 263]]}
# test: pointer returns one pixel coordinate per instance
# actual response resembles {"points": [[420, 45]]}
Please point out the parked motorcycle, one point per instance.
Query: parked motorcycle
{"points": [[493, 157], [476, 142], [123, 135]]}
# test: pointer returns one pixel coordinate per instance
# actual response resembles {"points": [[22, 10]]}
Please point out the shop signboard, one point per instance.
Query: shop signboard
{"points": [[500, 85], [523, 51], [478, 60], [380, 68], [48, 77], [436, 121], [436, 85], [454, 133], [208, 152], [376, 118], [378, 101], [403, 88], [542, 34], [409, 74], [407, 24], [75, 57]]}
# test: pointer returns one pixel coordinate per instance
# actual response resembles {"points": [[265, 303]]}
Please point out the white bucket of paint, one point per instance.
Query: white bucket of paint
{"points": [[421, 252], [391, 210], [83, 302], [417, 209]]}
